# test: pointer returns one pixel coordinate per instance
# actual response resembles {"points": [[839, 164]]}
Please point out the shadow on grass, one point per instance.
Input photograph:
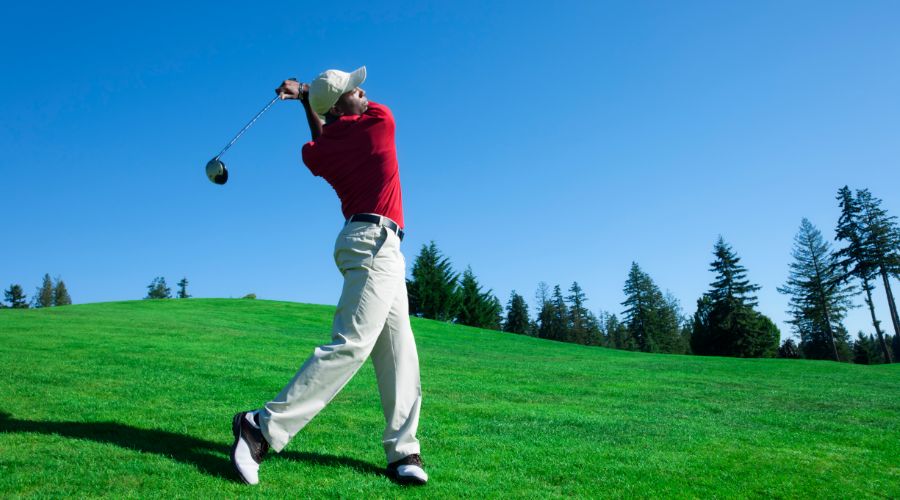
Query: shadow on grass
{"points": [[209, 457]]}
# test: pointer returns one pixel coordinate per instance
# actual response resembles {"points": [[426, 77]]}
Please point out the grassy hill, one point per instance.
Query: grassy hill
{"points": [[135, 399]]}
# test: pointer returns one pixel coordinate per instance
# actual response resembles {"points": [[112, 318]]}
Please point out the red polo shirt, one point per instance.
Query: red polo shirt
{"points": [[358, 157]]}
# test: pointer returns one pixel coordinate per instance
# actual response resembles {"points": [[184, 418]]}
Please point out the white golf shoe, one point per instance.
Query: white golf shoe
{"points": [[408, 470], [250, 446]]}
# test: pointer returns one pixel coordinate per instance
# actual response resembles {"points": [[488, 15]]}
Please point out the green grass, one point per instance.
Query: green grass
{"points": [[135, 399]]}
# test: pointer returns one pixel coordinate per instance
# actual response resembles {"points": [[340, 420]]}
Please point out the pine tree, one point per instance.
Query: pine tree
{"points": [[545, 311], [671, 336], [639, 314], [468, 300], [729, 325], [702, 341], [856, 258], [866, 351], [613, 333], [474, 307], [492, 314], [819, 298], [432, 289], [43, 297], [882, 241], [559, 317], [182, 289], [580, 319], [653, 320], [158, 289], [60, 293], [516, 315], [16, 297], [686, 334], [789, 350]]}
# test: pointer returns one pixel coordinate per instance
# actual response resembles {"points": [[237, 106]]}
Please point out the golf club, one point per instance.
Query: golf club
{"points": [[215, 168]]}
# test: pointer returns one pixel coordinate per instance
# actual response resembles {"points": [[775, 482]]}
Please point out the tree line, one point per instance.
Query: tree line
{"points": [[821, 285], [158, 289], [51, 293]]}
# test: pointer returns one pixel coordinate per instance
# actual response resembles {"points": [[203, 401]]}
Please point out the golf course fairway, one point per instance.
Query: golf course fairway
{"points": [[135, 399]]}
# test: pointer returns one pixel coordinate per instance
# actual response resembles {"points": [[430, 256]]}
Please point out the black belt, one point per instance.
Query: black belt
{"points": [[377, 219]]}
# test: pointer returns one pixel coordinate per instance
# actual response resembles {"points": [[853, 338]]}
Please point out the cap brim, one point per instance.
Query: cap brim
{"points": [[357, 77]]}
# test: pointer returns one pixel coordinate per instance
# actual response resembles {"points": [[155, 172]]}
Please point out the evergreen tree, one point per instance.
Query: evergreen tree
{"points": [[474, 307], [493, 312], [671, 335], [545, 311], [44, 295], [182, 289], [60, 293], [580, 321], [763, 339], [654, 321], [856, 257], [866, 351], [432, 289], [895, 346], [702, 341], [639, 308], [516, 315], [16, 297], [819, 298], [686, 334], [615, 333], [559, 317], [158, 289], [729, 325], [789, 350], [594, 333], [882, 241]]}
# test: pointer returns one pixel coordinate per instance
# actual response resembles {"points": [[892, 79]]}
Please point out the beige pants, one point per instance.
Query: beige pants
{"points": [[372, 318]]}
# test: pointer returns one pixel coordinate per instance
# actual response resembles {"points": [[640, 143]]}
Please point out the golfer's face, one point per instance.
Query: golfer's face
{"points": [[353, 102]]}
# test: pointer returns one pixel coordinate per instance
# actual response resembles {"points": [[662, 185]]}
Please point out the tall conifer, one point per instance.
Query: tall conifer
{"points": [[44, 295], [432, 287], [182, 289], [16, 297], [559, 316], [856, 257], [61, 293], [653, 320], [474, 307], [732, 326], [544, 318], [579, 317], [882, 241], [819, 298], [516, 315]]}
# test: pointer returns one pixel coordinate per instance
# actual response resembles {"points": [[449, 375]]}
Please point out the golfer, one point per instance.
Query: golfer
{"points": [[353, 149]]}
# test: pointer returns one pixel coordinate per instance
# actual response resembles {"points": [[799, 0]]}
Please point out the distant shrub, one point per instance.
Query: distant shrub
{"points": [[158, 289], [249, 296]]}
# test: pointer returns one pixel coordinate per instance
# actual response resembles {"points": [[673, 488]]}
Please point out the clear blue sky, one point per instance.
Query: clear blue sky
{"points": [[537, 141]]}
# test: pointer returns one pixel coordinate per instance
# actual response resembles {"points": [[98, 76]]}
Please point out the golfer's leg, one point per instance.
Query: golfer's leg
{"points": [[364, 305], [397, 370]]}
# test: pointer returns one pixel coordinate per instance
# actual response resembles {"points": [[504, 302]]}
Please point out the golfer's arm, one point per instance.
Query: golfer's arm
{"points": [[315, 125]]}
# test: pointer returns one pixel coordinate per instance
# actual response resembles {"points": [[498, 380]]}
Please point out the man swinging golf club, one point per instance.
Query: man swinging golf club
{"points": [[355, 152]]}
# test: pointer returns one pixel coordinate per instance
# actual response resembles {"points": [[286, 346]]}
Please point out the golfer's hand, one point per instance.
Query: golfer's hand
{"points": [[292, 89]]}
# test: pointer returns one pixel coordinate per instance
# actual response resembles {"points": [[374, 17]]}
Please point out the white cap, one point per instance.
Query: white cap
{"points": [[328, 87]]}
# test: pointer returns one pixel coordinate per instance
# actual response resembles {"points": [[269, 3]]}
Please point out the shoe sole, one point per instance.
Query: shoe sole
{"points": [[236, 430], [407, 480]]}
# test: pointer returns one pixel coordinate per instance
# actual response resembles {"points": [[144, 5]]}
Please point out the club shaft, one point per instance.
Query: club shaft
{"points": [[239, 134]]}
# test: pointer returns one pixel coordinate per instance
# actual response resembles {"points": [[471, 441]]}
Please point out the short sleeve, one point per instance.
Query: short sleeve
{"points": [[309, 155]]}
